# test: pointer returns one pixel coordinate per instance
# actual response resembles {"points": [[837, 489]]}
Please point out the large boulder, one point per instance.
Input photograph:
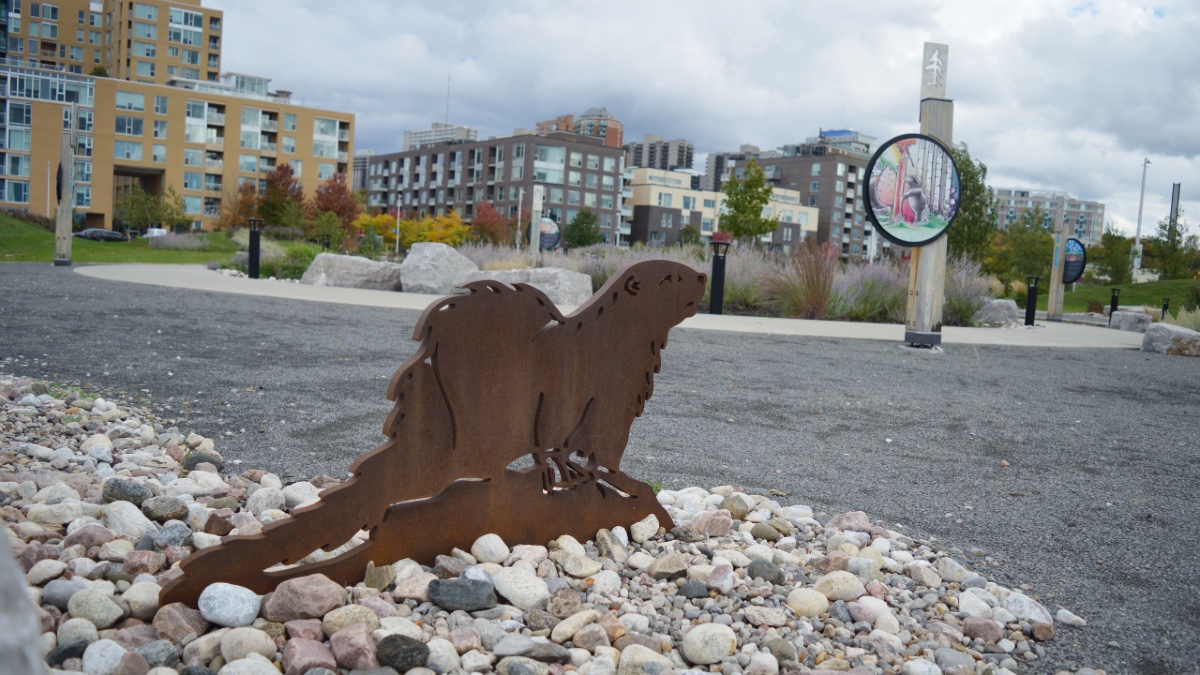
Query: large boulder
{"points": [[1167, 338], [351, 271], [997, 310], [435, 268], [563, 287], [1134, 321]]}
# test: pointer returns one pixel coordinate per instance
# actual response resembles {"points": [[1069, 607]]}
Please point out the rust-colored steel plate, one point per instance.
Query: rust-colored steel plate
{"points": [[500, 375]]}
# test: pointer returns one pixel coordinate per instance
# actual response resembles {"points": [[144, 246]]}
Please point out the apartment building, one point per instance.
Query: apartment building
{"points": [[828, 177], [362, 163], [438, 132], [201, 136], [664, 202], [1080, 218], [576, 171], [594, 123], [656, 153]]}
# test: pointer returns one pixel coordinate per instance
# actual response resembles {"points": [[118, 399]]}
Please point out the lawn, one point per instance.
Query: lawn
{"points": [[1150, 294], [21, 241]]}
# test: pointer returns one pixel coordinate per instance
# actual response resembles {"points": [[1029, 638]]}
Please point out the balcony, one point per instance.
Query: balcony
{"points": [[215, 164], [626, 211], [216, 119], [344, 135], [343, 157], [627, 194], [213, 189], [625, 229], [270, 125], [215, 143], [268, 149]]}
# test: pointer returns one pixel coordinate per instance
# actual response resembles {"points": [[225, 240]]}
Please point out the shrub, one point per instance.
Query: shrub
{"points": [[804, 286], [966, 292], [874, 293], [1188, 318], [180, 242], [1191, 297], [281, 233]]}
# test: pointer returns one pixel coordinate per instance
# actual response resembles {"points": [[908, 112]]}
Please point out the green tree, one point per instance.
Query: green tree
{"points": [[277, 204], [1025, 249], [745, 199], [1111, 258], [974, 224], [1173, 249], [583, 230], [139, 210], [688, 236], [327, 223]]}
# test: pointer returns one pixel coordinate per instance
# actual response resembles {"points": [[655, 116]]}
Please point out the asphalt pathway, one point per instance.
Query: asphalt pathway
{"points": [[1096, 512]]}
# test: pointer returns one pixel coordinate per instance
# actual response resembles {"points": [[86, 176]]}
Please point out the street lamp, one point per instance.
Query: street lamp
{"points": [[255, 233], [1031, 300], [1137, 240], [720, 246]]}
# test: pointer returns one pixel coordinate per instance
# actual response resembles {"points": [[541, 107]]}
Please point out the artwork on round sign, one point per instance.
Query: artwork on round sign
{"points": [[912, 190]]}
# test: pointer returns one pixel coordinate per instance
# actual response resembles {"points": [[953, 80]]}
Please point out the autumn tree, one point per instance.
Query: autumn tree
{"points": [[280, 202], [381, 225], [746, 197], [970, 237], [445, 229], [238, 206], [488, 225], [335, 196], [583, 230]]}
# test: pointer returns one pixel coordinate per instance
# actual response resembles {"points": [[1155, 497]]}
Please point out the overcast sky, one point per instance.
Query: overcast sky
{"points": [[1049, 94]]}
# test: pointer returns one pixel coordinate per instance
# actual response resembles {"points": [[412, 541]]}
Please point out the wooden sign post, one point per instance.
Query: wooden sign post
{"points": [[1054, 304], [66, 202], [927, 268]]}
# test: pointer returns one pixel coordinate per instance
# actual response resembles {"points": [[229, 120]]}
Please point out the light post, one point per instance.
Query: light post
{"points": [[397, 228], [1031, 300], [1137, 240], [720, 246], [255, 232]]}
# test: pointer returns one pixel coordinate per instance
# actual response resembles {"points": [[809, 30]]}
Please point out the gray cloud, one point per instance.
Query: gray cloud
{"points": [[1049, 94]]}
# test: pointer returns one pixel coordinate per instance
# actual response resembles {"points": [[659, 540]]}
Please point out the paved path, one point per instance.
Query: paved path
{"points": [[1096, 512], [197, 277]]}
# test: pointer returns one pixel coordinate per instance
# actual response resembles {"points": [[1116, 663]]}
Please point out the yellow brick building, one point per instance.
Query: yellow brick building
{"points": [[165, 117]]}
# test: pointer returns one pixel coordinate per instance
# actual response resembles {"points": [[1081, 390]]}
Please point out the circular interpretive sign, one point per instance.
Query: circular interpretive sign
{"points": [[1074, 261], [548, 234], [912, 189]]}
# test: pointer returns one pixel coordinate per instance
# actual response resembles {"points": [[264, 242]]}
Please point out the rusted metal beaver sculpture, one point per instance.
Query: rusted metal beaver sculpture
{"points": [[500, 374]]}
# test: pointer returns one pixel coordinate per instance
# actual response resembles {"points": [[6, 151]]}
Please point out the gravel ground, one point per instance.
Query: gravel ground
{"points": [[1095, 513]]}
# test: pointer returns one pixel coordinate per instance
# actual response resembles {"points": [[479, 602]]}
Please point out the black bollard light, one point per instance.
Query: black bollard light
{"points": [[325, 239], [720, 246], [1031, 300], [1112, 308], [255, 233], [1166, 304]]}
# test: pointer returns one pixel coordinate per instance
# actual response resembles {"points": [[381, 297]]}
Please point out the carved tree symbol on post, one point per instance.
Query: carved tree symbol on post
{"points": [[934, 67]]}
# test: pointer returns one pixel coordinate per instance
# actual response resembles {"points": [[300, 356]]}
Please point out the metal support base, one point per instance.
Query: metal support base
{"points": [[59, 262], [919, 338]]}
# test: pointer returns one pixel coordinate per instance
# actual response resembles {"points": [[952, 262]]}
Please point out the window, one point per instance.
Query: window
{"points": [[145, 68], [195, 110], [706, 224], [192, 180], [250, 140], [127, 150], [214, 23], [193, 157], [130, 101], [83, 146], [543, 175], [591, 180], [709, 204], [816, 169], [289, 144], [16, 44], [786, 216], [518, 151], [573, 197], [664, 199], [145, 31], [189, 73], [182, 17], [552, 154], [130, 126], [325, 171], [94, 37], [841, 169], [76, 53], [556, 195], [324, 127], [82, 18], [593, 162], [518, 172], [20, 113], [607, 182], [812, 200], [589, 199], [297, 167], [610, 163], [266, 164], [80, 35], [577, 159], [158, 153], [248, 163], [147, 12], [574, 178], [193, 204], [251, 117], [326, 149], [837, 201], [83, 171], [606, 201], [689, 203], [213, 61], [17, 191], [194, 133], [289, 121], [191, 57], [668, 221], [18, 165]]}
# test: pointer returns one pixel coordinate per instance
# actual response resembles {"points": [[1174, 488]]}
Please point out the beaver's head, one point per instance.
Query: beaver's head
{"points": [[669, 291]]}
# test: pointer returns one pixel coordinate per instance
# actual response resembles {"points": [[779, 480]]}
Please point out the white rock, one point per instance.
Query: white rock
{"points": [[1167, 338], [806, 602], [644, 529], [523, 589], [43, 571], [229, 605], [606, 582], [300, 493], [708, 643], [639, 560], [763, 662], [563, 287], [840, 585], [349, 271], [951, 570], [571, 545], [490, 548], [435, 268], [102, 657], [142, 599], [1064, 616], [239, 643], [254, 664], [972, 605], [443, 658], [1135, 321], [920, 666], [398, 626], [265, 499], [125, 518], [1024, 607]]}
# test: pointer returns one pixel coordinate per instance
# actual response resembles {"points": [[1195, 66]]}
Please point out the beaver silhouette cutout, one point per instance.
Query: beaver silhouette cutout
{"points": [[500, 375]]}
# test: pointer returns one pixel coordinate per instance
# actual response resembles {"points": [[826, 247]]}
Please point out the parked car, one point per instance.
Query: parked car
{"points": [[152, 232], [101, 234]]}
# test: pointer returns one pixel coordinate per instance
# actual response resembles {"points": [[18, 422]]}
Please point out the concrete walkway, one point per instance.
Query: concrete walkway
{"points": [[1044, 334]]}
